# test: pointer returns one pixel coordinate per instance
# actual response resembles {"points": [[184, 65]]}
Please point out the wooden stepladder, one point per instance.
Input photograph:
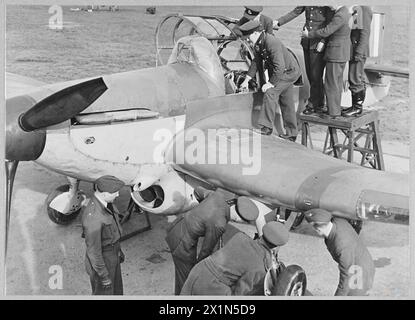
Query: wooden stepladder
{"points": [[359, 133]]}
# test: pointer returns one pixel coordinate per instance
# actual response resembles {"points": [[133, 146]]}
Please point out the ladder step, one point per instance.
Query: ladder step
{"points": [[363, 126]]}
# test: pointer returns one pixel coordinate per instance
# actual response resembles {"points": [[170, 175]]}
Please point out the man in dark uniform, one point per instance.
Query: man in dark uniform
{"points": [[283, 70], [239, 268], [360, 34], [254, 13], [102, 232], [316, 18], [356, 265], [208, 220], [337, 53]]}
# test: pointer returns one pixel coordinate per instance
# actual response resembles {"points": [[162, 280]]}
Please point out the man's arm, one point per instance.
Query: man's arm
{"points": [[290, 15], [92, 231], [335, 24], [346, 260], [242, 21], [277, 60], [209, 242], [365, 32], [329, 14]]}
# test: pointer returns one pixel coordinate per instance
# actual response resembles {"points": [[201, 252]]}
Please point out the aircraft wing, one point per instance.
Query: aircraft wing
{"points": [[19, 85], [276, 171], [387, 70]]}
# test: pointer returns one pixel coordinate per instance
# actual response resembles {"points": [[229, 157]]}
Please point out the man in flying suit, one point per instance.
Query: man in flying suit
{"points": [[239, 268], [102, 232], [254, 13], [283, 70], [356, 265], [360, 34], [208, 220], [313, 48], [337, 53]]}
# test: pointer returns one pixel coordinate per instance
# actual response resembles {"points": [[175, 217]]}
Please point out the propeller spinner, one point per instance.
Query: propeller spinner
{"points": [[26, 121]]}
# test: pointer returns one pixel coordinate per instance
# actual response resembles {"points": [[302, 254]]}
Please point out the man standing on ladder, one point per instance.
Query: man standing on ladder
{"points": [[360, 34]]}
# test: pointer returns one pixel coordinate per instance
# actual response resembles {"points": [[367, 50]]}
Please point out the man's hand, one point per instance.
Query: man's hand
{"points": [[106, 283], [275, 25], [244, 85], [304, 33], [267, 86]]}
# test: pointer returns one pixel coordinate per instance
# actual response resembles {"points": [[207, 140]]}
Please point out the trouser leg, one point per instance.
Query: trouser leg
{"points": [[182, 269], [271, 102], [315, 65], [356, 76], [118, 284], [287, 106], [112, 263], [308, 72], [334, 86], [94, 283]]}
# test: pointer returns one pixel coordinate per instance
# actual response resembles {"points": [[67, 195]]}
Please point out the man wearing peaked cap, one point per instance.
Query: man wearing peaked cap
{"points": [[109, 184], [360, 37], [253, 13], [283, 71], [318, 216], [246, 209], [102, 232], [337, 53], [313, 49], [347, 249], [239, 268], [208, 220], [275, 234]]}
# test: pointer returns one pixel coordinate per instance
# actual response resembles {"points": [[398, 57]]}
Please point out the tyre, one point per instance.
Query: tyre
{"points": [[56, 216], [291, 281]]}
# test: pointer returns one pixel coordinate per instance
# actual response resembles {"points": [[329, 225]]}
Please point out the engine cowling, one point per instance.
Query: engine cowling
{"points": [[169, 195]]}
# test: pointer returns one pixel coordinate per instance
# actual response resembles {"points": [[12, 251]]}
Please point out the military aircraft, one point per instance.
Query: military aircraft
{"points": [[161, 130]]}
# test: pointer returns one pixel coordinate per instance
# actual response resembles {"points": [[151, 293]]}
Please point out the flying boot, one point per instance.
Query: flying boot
{"points": [[357, 104]]}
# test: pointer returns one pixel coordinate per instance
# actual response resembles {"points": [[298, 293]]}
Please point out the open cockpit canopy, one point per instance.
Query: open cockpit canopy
{"points": [[175, 26], [175, 42]]}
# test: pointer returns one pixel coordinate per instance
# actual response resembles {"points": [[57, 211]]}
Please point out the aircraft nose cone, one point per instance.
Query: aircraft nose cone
{"points": [[22, 145]]}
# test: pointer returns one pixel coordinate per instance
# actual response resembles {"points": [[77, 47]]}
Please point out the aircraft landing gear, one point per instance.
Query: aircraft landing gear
{"points": [[133, 208], [291, 281], [292, 219], [285, 281], [65, 202]]}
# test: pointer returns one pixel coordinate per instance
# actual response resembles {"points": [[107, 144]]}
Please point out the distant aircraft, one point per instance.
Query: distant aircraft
{"points": [[131, 125]]}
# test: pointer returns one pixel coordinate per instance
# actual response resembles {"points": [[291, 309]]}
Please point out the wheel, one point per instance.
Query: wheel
{"points": [[291, 281], [56, 216]]}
